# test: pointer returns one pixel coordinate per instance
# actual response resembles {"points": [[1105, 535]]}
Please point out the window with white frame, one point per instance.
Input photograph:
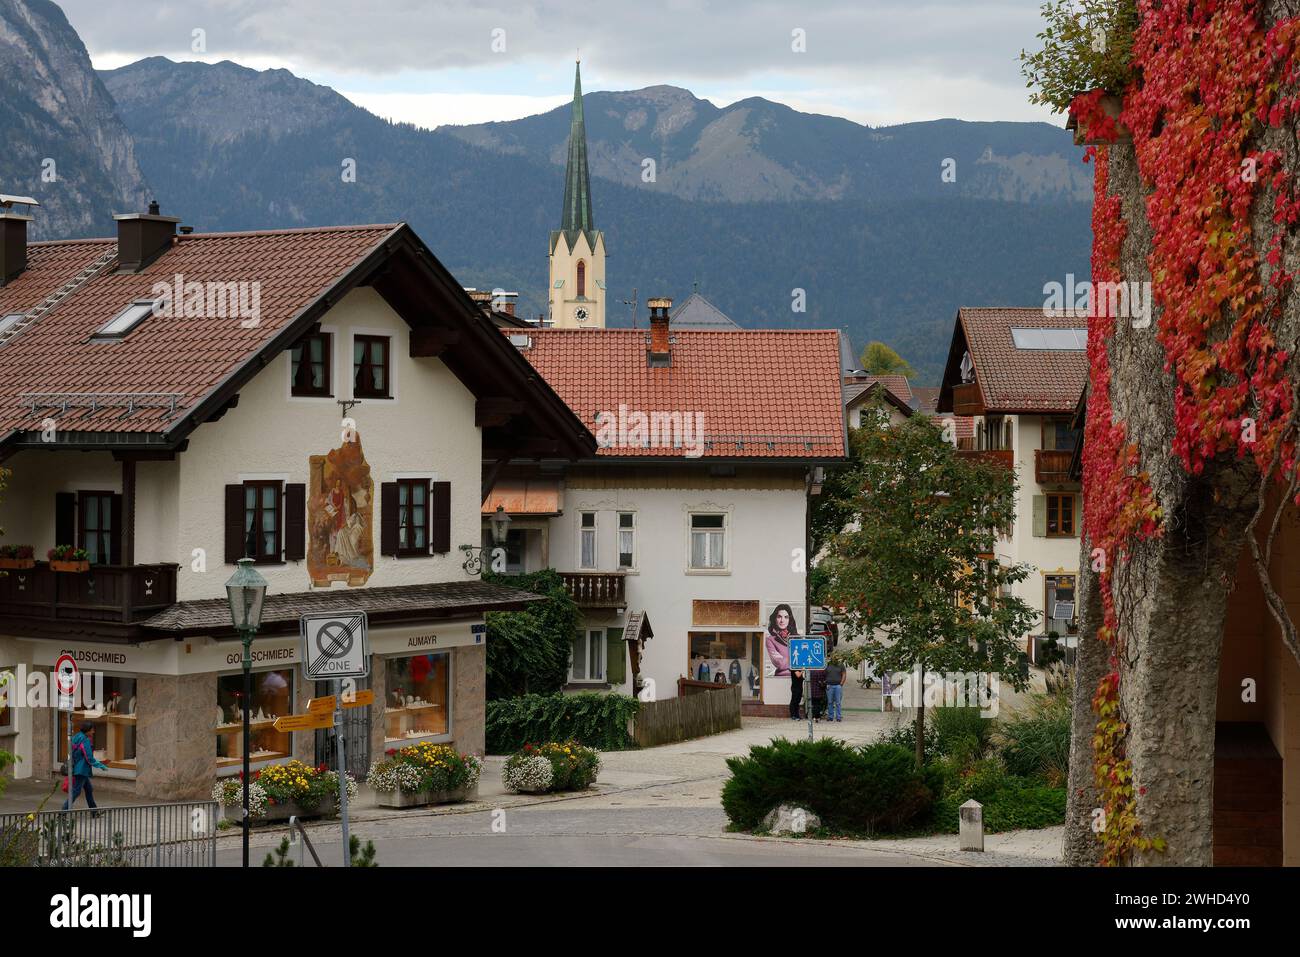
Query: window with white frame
{"points": [[587, 540], [708, 540], [587, 662], [627, 539]]}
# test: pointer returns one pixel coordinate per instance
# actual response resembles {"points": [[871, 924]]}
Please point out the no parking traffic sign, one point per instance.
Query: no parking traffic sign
{"points": [[335, 645], [66, 679]]}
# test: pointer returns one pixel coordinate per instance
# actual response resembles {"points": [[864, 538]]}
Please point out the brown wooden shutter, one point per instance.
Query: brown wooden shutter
{"points": [[234, 523], [440, 517], [295, 522], [115, 531], [388, 518], [65, 518]]}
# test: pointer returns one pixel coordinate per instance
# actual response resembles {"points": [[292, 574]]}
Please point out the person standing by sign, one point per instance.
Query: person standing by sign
{"points": [[796, 693], [83, 762], [835, 676], [818, 679]]}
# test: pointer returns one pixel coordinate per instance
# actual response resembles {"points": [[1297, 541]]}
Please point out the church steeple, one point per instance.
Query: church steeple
{"points": [[576, 288], [577, 180]]}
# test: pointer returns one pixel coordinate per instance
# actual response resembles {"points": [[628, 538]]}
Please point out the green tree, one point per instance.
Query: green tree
{"points": [[878, 359], [1087, 45], [528, 651], [912, 572]]}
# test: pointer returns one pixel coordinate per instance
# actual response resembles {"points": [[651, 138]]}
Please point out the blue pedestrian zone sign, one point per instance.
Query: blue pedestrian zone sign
{"points": [[808, 653]]}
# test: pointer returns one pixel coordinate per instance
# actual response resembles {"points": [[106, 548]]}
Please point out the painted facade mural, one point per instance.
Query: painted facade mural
{"points": [[340, 516]]}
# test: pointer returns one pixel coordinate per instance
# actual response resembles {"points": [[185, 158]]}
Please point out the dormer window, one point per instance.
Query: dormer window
{"points": [[128, 319]]}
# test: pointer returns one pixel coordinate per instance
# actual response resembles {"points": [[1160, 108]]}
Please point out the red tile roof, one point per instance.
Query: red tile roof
{"points": [[762, 393], [927, 398], [182, 357], [1016, 380]]}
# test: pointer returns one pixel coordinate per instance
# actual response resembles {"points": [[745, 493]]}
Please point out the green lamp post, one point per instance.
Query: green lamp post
{"points": [[246, 591]]}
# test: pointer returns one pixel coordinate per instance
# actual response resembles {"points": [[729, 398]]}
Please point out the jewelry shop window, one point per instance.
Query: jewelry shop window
{"points": [[272, 698], [418, 697], [114, 721]]}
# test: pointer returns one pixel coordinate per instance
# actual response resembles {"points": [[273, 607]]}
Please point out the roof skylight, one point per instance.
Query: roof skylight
{"points": [[1053, 340], [127, 319]]}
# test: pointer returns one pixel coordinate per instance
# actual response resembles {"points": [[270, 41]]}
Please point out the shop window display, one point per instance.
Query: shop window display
{"points": [[114, 718], [272, 698], [418, 698], [728, 658]]}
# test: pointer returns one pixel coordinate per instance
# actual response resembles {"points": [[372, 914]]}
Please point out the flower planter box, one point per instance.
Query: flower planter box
{"points": [[328, 807], [425, 798], [17, 564], [71, 567]]}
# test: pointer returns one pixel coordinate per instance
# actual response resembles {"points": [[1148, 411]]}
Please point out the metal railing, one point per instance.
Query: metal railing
{"points": [[144, 835], [298, 836]]}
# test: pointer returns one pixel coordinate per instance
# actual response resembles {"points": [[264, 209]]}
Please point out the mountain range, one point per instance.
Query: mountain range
{"points": [[749, 203]]}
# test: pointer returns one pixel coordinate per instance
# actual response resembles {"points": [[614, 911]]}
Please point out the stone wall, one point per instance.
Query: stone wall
{"points": [[469, 698], [176, 751]]}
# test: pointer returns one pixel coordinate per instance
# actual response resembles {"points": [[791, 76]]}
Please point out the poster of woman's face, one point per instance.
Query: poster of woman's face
{"points": [[780, 628]]}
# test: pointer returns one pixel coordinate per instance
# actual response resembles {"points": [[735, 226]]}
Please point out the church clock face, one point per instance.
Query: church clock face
{"points": [[580, 314]]}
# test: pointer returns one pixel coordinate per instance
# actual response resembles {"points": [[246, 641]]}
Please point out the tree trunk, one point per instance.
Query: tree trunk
{"points": [[1082, 847]]}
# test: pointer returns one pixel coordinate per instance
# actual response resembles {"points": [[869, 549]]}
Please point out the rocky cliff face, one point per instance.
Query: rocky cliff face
{"points": [[64, 143]]}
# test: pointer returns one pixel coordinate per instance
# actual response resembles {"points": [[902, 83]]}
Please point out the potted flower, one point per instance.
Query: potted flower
{"points": [[282, 791], [554, 766], [68, 558], [422, 774], [17, 557]]}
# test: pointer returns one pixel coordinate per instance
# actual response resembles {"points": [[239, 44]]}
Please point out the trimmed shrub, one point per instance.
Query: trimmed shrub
{"points": [[596, 720], [875, 789]]}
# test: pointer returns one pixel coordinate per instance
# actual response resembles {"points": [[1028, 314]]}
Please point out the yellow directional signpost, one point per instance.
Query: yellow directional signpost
{"points": [[358, 699], [305, 722]]}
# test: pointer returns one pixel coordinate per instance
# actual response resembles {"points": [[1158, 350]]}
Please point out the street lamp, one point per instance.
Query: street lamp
{"points": [[500, 523], [246, 591]]}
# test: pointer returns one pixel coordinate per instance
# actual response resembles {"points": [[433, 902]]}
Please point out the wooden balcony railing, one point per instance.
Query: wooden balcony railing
{"points": [[1052, 466], [967, 400], [108, 594], [596, 589], [1002, 457]]}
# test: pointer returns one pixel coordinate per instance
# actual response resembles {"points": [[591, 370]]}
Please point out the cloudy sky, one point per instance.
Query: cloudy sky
{"points": [[461, 61]]}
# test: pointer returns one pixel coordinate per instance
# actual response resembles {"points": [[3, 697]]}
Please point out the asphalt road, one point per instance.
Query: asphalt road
{"points": [[566, 837]]}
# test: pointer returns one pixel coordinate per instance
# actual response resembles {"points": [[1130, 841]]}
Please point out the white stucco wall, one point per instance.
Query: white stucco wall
{"points": [[426, 430], [765, 526], [1046, 556]]}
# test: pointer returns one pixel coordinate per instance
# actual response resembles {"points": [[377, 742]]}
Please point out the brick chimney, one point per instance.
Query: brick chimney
{"points": [[483, 299], [13, 236], [143, 237], [660, 346]]}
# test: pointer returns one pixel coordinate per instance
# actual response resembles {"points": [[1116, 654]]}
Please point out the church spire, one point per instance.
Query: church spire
{"points": [[577, 181]]}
